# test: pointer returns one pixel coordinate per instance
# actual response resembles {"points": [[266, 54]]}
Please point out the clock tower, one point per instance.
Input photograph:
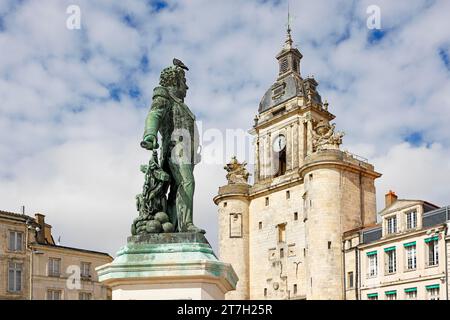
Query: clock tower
{"points": [[283, 233]]}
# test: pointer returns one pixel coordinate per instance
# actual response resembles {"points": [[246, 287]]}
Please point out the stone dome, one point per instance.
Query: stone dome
{"points": [[284, 89]]}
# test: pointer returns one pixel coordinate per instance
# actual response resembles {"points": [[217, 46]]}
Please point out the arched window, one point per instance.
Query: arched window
{"points": [[282, 162]]}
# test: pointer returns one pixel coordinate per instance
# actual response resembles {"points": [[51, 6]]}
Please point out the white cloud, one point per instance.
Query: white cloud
{"points": [[416, 172], [70, 151]]}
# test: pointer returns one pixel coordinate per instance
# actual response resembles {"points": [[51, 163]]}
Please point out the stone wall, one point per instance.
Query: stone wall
{"points": [[71, 259], [273, 276], [234, 248], [8, 224]]}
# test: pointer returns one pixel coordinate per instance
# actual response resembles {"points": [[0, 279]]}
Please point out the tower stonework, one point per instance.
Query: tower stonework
{"points": [[233, 206], [306, 194], [339, 196]]}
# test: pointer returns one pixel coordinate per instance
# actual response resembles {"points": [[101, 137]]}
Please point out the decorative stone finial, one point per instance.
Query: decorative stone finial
{"points": [[325, 138], [237, 173], [256, 119]]}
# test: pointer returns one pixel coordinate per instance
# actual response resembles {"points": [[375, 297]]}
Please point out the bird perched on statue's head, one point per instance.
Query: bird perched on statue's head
{"points": [[180, 64]]}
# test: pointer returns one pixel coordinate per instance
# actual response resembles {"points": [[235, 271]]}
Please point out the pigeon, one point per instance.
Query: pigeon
{"points": [[179, 63]]}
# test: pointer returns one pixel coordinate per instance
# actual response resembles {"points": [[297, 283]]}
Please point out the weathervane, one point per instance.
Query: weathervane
{"points": [[288, 43]]}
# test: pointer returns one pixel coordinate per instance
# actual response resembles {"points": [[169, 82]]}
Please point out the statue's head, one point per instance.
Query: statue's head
{"points": [[174, 77]]}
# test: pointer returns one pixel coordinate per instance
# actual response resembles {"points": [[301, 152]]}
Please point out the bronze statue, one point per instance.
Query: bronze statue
{"points": [[175, 122]]}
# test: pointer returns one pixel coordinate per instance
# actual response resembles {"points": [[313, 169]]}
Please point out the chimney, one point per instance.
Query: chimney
{"points": [[390, 198], [40, 219]]}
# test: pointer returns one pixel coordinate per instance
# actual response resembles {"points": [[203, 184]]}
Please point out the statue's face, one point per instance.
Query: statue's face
{"points": [[182, 87]]}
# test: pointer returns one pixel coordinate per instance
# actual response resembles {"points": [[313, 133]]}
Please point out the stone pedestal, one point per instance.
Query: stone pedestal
{"points": [[168, 266]]}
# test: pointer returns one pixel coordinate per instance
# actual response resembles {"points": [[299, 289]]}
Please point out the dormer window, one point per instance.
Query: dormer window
{"points": [[411, 220], [391, 225], [278, 91]]}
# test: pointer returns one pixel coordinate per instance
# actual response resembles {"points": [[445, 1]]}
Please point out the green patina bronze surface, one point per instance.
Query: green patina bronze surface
{"points": [[168, 115], [170, 255]]}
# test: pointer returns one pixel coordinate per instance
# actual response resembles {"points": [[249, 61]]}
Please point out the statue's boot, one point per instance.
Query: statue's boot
{"points": [[191, 228]]}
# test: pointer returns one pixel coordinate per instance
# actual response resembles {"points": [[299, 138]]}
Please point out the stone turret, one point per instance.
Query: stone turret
{"points": [[233, 208], [339, 196]]}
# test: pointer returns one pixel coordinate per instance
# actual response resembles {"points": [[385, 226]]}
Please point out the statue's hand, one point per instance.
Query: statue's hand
{"points": [[150, 142]]}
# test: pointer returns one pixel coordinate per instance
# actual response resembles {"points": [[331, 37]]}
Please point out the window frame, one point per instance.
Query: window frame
{"points": [[16, 267], [13, 244], [372, 265], [51, 293], [281, 232], [391, 261], [350, 279], [433, 293], [432, 258], [413, 221], [82, 269], [391, 295], [411, 250], [84, 293], [391, 228], [409, 292], [51, 267]]}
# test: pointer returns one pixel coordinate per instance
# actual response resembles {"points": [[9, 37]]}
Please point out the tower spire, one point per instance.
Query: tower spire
{"points": [[289, 57], [288, 42]]}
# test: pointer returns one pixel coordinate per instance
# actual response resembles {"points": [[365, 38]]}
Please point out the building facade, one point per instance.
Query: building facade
{"points": [[284, 234], [405, 256], [34, 267]]}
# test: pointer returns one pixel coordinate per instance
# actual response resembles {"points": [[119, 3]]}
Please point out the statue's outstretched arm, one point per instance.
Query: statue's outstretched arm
{"points": [[155, 116], [153, 122]]}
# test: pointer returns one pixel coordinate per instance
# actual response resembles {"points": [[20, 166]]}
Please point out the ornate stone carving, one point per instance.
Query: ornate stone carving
{"points": [[152, 202], [237, 173], [325, 137]]}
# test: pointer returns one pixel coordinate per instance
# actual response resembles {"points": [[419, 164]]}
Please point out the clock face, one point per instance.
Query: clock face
{"points": [[279, 143]]}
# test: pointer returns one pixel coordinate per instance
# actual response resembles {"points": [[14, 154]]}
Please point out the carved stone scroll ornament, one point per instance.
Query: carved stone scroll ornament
{"points": [[237, 173], [325, 137]]}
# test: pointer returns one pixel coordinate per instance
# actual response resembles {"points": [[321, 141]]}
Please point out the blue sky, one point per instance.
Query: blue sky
{"points": [[73, 102]]}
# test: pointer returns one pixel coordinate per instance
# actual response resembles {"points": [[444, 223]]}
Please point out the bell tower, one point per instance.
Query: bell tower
{"points": [[286, 116], [283, 233], [289, 57]]}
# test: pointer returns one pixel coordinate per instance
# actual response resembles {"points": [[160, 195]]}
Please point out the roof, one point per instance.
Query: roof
{"points": [[15, 215], [72, 248], [429, 219], [404, 203], [359, 229], [24, 217], [290, 86]]}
